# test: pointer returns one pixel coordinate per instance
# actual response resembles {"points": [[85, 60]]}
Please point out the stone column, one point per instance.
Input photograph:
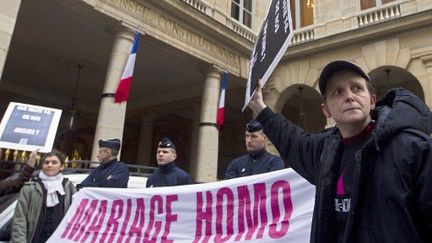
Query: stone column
{"points": [[145, 140], [8, 16], [208, 135], [111, 116], [194, 144]]}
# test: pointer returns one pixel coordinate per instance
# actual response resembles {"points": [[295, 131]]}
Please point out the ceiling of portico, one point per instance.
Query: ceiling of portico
{"points": [[52, 37]]}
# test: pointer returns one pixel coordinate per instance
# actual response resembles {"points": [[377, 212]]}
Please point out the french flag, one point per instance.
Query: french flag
{"points": [[221, 108], [122, 92]]}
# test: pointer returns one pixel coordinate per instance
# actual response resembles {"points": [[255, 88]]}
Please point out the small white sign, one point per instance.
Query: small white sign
{"points": [[29, 127]]}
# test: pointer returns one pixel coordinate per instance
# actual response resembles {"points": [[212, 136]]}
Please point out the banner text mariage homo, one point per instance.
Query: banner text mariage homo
{"points": [[275, 207]]}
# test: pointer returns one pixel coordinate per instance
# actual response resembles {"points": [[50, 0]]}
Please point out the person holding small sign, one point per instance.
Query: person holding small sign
{"points": [[43, 202], [111, 172], [168, 173], [373, 170], [257, 160]]}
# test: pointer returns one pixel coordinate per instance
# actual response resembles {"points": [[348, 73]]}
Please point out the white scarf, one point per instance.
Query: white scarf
{"points": [[53, 184]]}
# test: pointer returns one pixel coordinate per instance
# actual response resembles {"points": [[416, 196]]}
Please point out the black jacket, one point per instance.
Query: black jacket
{"points": [[111, 174], [13, 183], [253, 164], [169, 175], [392, 198]]}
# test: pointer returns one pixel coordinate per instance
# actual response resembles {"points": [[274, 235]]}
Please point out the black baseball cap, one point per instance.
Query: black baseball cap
{"points": [[338, 65]]}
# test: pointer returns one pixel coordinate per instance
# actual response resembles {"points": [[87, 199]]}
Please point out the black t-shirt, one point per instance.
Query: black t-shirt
{"points": [[344, 188]]}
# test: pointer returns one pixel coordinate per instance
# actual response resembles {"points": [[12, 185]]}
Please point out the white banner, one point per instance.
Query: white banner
{"points": [[271, 207]]}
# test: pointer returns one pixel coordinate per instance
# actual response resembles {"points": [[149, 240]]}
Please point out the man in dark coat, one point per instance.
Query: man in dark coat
{"points": [[111, 172], [257, 160], [168, 173], [373, 170]]}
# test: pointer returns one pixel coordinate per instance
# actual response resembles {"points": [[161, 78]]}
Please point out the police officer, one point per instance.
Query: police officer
{"points": [[168, 173], [258, 160], [111, 172]]}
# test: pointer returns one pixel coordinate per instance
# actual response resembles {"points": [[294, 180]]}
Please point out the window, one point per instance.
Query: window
{"points": [[301, 13], [366, 4], [242, 11]]}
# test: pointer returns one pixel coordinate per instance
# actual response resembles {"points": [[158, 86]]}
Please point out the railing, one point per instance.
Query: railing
{"points": [[375, 16], [198, 5], [303, 35], [81, 166], [12, 161], [229, 22], [240, 29]]}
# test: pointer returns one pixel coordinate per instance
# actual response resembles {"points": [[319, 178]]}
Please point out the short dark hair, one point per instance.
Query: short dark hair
{"points": [[61, 156]]}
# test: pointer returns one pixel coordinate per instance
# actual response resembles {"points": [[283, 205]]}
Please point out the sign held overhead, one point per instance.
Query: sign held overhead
{"points": [[273, 40], [29, 127]]}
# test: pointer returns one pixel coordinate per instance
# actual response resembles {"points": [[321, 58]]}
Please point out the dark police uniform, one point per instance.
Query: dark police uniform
{"points": [[114, 173], [168, 174], [253, 163]]}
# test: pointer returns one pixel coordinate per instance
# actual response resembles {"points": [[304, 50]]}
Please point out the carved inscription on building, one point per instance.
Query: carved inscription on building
{"points": [[177, 30], [133, 6], [181, 32]]}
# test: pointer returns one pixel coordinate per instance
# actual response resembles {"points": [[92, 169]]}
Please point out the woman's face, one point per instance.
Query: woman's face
{"points": [[52, 166]]}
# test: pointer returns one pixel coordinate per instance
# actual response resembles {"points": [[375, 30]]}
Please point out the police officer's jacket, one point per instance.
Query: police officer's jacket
{"points": [[253, 163], [113, 173], [169, 175]]}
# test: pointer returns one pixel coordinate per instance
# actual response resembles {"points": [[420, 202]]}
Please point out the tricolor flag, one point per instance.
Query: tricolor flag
{"points": [[122, 92], [221, 108]]}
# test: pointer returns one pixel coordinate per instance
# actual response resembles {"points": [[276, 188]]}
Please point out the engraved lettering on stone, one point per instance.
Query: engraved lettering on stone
{"points": [[193, 39], [132, 6], [178, 30]]}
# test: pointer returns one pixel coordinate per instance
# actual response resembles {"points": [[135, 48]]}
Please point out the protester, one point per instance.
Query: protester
{"points": [[13, 183], [257, 160], [111, 172], [372, 171], [42, 202], [168, 173]]}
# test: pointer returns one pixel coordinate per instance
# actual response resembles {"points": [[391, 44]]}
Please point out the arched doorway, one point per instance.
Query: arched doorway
{"points": [[388, 77], [301, 105]]}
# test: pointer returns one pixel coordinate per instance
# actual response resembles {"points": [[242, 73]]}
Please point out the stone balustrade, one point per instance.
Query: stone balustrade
{"points": [[228, 22], [303, 35], [240, 29], [199, 5], [375, 15]]}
